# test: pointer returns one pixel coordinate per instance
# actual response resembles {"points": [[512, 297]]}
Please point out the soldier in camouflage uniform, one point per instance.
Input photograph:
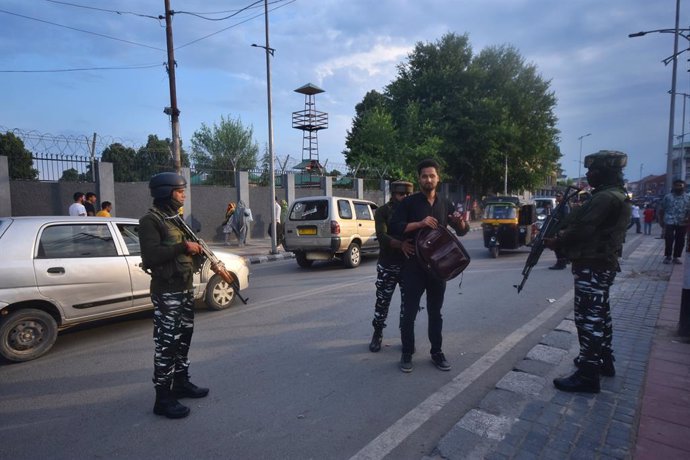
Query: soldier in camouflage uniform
{"points": [[390, 261], [171, 261], [592, 238]]}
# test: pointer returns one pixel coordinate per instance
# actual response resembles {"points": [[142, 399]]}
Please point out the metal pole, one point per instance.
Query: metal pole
{"points": [[174, 111], [672, 110], [505, 178], [269, 51]]}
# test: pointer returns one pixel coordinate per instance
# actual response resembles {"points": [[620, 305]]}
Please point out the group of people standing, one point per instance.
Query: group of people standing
{"points": [[85, 205], [590, 237]]}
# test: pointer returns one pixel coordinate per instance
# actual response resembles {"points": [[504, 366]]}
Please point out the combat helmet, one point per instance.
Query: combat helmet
{"points": [[606, 159], [162, 185], [401, 186]]}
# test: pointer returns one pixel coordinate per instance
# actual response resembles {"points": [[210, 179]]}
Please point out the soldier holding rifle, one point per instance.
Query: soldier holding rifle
{"points": [[171, 261], [592, 238]]}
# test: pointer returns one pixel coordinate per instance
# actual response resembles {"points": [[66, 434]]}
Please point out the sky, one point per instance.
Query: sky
{"points": [[612, 90]]}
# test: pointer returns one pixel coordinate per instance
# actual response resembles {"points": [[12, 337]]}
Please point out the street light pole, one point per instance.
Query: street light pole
{"points": [[579, 164], [269, 53], [673, 58]]}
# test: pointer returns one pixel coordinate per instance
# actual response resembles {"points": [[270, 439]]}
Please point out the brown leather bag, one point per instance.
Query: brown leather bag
{"points": [[441, 253]]}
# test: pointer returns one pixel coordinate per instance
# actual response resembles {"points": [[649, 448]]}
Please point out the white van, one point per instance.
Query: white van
{"points": [[327, 227]]}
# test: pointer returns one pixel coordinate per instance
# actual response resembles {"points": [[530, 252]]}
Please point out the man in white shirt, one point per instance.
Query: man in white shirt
{"points": [[77, 208], [635, 220]]}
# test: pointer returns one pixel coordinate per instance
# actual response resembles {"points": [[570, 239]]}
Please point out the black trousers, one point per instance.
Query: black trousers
{"points": [[414, 282], [675, 240]]}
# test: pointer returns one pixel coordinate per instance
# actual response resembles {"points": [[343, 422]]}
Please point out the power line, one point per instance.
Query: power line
{"points": [[198, 15], [158, 18], [234, 25], [82, 30], [133, 67]]}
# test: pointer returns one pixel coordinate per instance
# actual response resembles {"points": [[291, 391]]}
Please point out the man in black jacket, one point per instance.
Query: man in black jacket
{"points": [[171, 263], [419, 210]]}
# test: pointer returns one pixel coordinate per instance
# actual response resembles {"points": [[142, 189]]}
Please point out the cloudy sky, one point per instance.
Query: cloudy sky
{"points": [[607, 84]]}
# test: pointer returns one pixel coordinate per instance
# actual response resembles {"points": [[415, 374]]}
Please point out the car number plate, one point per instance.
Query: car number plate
{"points": [[306, 231]]}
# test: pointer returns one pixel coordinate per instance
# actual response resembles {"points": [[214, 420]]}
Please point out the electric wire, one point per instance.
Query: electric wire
{"points": [[82, 30], [132, 67], [158, 18]]}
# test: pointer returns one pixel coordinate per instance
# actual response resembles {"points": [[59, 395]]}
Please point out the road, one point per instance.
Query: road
{"points": [[290, 373]]}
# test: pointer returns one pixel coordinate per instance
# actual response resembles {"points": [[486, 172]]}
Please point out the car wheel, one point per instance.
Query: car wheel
{"points": [[494, 251], [353, 256], [302, 260], [219, 294], [27, 334]]}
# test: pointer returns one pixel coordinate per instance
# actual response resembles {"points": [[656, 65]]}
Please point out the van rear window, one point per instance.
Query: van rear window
{"points": [[310, 210]]}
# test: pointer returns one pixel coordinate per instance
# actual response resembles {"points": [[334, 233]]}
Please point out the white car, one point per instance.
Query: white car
{"points": [[58, 272]]}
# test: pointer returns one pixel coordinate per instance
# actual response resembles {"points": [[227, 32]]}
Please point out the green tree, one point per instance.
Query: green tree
{"points": [[69, 175], [156, 156], [468, 112], [124, 162], [19, 159], [225, 147]]}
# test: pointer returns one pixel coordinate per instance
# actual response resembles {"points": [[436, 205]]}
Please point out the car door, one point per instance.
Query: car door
{"points": [[365, 224], [78, 266], [141, 281]]}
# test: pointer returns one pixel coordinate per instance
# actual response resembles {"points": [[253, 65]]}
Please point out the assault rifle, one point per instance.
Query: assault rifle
{"points": [[548, 230], [217, 266]]}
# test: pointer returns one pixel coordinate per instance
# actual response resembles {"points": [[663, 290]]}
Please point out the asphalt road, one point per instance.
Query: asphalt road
{"points": [[290, 373]]}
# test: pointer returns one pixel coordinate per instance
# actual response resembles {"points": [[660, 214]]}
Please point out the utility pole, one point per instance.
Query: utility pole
{"points": [[173, 111]]}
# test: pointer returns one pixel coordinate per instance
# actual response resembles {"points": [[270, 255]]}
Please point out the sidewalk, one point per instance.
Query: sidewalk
{"points": [[642, 413]]}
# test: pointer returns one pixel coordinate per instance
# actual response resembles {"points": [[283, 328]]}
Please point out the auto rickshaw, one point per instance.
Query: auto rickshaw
{"points": [[507, 224]]}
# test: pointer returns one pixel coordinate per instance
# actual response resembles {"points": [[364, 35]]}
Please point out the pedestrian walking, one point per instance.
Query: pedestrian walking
{"points": [[391, 258], [171, 262], [635, 219], [77, 208], [90, 203], [419, 210], [106, 207], [228, 222], [649, 215], [673, 214], [592, 238]]}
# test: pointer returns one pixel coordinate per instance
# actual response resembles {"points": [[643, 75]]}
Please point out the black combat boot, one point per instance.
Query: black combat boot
{"points": [[183, 388], [376, 339], [607, 369], [584, 380], [167, 405]]}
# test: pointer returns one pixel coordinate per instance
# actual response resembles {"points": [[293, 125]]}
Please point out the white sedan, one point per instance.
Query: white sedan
{"points": [[57, 272]]}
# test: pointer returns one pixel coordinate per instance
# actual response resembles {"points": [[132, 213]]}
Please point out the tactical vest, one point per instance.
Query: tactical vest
{"points": [[606, 244], [183, 266]]}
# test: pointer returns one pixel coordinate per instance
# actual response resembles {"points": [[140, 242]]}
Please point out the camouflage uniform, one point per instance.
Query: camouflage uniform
{"points": [[592, 238], [390, 261]]}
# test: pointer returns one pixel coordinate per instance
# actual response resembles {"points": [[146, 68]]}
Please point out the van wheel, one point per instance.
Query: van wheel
{"points": [[302, 260], [27, 334], [353, 256]]}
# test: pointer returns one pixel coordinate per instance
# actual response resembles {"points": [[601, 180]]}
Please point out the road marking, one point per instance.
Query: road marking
{"points": [[384, 443]]}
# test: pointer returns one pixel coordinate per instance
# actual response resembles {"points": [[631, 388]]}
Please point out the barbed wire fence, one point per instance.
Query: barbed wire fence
{"points": [[73, 157]]}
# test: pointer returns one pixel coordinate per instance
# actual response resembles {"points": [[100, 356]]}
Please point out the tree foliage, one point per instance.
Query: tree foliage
{"points": [[19, 159], [228, 145], [469, 112]]}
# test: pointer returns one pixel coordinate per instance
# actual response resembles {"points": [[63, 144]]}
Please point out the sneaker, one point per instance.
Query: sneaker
{"points": [[677, 261], [439, 360], [406, 363], [667, 260]]}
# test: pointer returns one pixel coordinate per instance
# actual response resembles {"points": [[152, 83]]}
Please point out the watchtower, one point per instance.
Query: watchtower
{"points": [[310, 121]]}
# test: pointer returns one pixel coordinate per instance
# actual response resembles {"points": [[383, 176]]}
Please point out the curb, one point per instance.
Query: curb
{"points": [[268, 258]]}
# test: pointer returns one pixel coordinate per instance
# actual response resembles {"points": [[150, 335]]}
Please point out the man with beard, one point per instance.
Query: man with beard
{"points": [[171, 263], [390, 261], [592, 238], [673, 215], [417, 211]]}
